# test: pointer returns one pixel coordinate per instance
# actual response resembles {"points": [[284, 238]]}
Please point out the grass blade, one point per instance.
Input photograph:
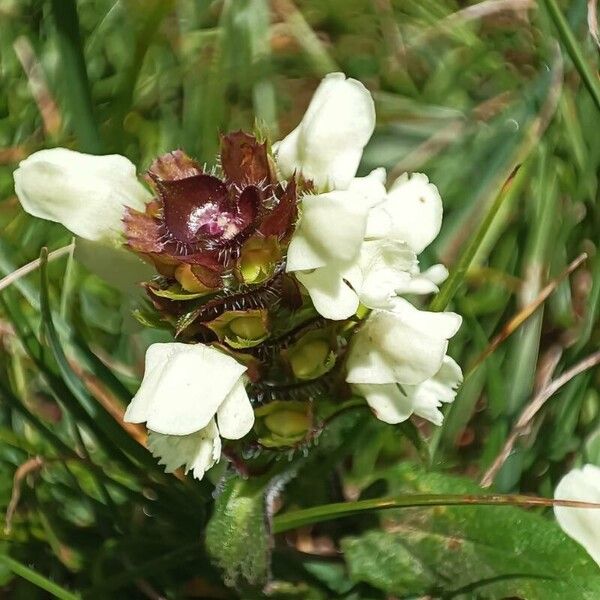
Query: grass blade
{"points": [[326, 512], [457, 275], [567, 37], [74, 74], [113, 434], [36, 579]]}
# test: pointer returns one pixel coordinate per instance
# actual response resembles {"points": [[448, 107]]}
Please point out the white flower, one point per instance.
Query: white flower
{"points": [[330, 231], [360, 245], [398, 362], [356, 242], [387, 268], [184, 387], [581, 524], [326, 147], [86, 193], [325, 247]]}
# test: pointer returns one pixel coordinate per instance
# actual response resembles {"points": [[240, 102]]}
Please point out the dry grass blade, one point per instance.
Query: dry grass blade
{"points": [[481, 10], [521, 427], [592, 20], [485, 9], [38, 85], [526, 312], [33, 265], [29, 466], [95, 386]]}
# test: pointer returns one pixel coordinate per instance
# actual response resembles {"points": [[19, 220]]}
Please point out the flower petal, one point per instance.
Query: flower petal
{"points": [[140, 407], [243, 159], [393, 403], [280, 221], [371, 187], [332, 297], [327, 145], [386, 267], [183, 387], [173, 166], [389, 403], [426, 282], [405, 346], [87, 194], [331, 228], [412, 213], [437, 274], [235, 416], [194, 207], [581, 524], [428, 396], [198, 451], [435, 324]]}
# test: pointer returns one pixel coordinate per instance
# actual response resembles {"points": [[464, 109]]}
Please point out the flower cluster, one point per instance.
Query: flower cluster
{"points": [[280, 273]]}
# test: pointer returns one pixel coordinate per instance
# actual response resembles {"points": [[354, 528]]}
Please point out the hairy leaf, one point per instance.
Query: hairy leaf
{"points": [[493, 552]]}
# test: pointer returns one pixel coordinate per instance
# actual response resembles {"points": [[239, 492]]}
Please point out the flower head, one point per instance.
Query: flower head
{"points": [[201, 220], [280, 274]]}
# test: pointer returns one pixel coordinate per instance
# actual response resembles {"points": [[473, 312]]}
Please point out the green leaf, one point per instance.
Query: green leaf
{"points": [[498, 551], [379, 559], [238, 535]]}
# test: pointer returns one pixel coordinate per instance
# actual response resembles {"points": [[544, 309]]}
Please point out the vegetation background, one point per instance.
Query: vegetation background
{"points": [[498, 102]]}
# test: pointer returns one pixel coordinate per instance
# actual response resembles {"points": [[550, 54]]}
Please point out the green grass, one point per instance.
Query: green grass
{"points": [[502, 112]]}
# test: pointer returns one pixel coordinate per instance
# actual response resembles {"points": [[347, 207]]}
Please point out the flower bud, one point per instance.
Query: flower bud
{"points": [[249, 328], [258, 259], [312, 355], [188, 281], [241, 328], [283, 423]]}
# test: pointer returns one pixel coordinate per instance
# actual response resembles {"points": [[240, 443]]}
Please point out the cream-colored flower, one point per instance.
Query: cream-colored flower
{"points": [[327, 145], [362, 247], [581, 524], [85, 193], [398, 362], [185, 387]]}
